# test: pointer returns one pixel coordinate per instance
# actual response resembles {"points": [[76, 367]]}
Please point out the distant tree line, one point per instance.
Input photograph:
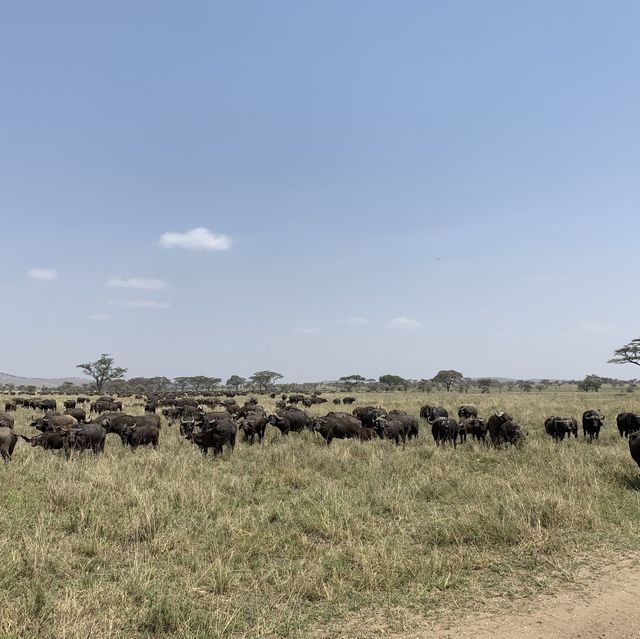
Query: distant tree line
{"points": [[109, 377]]}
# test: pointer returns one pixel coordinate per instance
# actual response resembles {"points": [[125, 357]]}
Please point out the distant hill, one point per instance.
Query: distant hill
{"points": [[39, 382]]}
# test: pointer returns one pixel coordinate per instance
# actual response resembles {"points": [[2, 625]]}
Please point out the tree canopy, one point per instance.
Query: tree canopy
{"points": [[448, 378], [392, 380], [352, 380], [236, 381], [264, 379], [102, 370], [590, 383], [627, 354]]}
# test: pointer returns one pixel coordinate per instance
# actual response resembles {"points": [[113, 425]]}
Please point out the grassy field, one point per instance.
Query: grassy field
{"points": [[297, 539]]}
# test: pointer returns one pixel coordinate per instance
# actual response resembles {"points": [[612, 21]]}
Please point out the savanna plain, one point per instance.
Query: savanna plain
{"points": [[294, 538]]}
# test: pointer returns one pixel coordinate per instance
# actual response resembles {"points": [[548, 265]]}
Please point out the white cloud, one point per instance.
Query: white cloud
{"points": [[198, 239], [404, 322], [99, 317], [42, 274], [149, 284], [306, 331], [147, 304], [353, 321]]}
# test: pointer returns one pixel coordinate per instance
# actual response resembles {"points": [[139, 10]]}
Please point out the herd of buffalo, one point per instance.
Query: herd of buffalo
{"points": [[77, 430]]}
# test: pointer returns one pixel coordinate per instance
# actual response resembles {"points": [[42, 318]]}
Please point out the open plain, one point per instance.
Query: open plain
{"points": [[294, 538]]}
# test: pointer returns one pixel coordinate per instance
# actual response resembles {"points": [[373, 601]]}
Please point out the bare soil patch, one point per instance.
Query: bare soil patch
{"points": [[602, 604]]}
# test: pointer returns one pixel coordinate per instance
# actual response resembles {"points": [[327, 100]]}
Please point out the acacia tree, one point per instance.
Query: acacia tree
{"points": [[102, 370], [627, 354], [264, 379], [352, 380], [448, 378], [236, 381], [181, 383], [590, 383], [393, 380], [485, 384]]}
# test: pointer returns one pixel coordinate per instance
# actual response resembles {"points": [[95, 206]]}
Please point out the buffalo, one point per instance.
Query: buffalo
{"points": [[85, 437], [474, 426], [409, 423], [634, 446], [368, 415], [216, 431], [291, 420], [254, 424], [391, 427], [444, 429], [337, 426], [47, 404], [8, 439], [249, 407], [7, 420], [432, 412], [143, 434], [118, 422], [467, 412], [558, 427], [627, 423], [503, 429], [69, 404], [53, 422], [150, 407], [50, 440], [78, 413], [10, 405], [592, 422]]}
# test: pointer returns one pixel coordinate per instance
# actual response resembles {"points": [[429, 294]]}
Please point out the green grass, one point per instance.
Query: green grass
{"points": [[297, 539]]}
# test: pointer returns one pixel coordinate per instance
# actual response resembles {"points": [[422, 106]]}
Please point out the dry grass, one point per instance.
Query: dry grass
{"points": [[297, 539]]}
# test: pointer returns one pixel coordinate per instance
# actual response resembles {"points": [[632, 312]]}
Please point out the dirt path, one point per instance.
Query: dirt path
{"points": [[604, 605]]}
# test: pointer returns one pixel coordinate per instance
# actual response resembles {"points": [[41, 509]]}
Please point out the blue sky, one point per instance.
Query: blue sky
{"points": [[386, 187]]}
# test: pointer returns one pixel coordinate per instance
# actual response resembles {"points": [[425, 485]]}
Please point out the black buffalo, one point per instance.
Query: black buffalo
{"points": [[503, 429], [466, 412], [85, 437], [634, 446], [433, 412], [290, 421], [391, 427], [77, 413], [558, 427], [47, 404], [628, 423], [444, 429], [253, 424], [150, 406], [216, 431], [337, 426], [473, 426], [592, 422], [51, 440], [410, 424], [53, 421], [8, 439], [368, 415], [145, 434]]}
